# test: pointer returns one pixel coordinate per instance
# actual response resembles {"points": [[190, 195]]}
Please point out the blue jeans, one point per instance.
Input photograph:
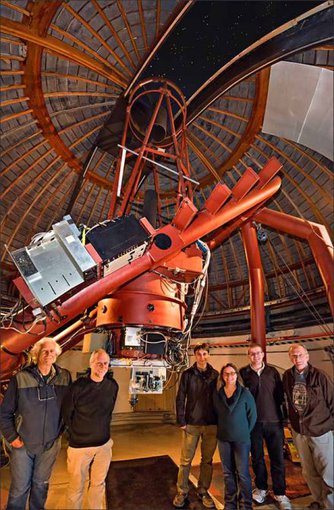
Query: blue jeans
{"points": [[238, 483], [30, 473], [272, 433]]}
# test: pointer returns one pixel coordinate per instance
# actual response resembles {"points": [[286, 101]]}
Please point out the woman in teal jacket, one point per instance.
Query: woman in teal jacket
{"points": [[236, 412]]}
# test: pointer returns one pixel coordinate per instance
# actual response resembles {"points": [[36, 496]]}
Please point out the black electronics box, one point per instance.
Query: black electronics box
{"points": [[113, 238], [155, 345]]}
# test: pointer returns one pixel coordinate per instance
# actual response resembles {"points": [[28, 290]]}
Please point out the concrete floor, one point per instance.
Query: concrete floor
{"points": [[130, 442]]}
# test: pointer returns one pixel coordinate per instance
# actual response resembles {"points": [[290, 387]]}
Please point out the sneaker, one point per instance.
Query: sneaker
{"points": [[259, 495], [206, 499], [180, 500], [283, 502]]}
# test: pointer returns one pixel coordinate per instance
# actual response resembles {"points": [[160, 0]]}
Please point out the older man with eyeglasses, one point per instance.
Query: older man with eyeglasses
{"points": [[310, 398], [87, 410], [31, 423]]}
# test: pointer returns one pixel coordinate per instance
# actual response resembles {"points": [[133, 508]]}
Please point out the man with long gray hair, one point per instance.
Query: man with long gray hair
{"points": [[31, 424]]}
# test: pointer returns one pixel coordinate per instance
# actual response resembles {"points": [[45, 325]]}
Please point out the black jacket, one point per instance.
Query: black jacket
{"points": [[267, 390], [318, 416], [194, 404]]}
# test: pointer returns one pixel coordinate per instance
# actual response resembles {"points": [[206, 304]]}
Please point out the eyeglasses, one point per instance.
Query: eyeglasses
{"points": [[101, 363], [256, 353]]}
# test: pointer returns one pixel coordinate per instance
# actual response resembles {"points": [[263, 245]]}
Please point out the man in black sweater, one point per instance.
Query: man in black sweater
{"points": [[266, 387], [87, 410], [197, 419]]}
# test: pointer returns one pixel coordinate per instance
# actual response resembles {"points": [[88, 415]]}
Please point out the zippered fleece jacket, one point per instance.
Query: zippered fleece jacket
{"points": [[318, 416], [267, 390], [194, 404], [31, 408]]}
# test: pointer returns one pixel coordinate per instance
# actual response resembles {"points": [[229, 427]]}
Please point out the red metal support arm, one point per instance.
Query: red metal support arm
{"points": [[318, 238], [256, 284]]}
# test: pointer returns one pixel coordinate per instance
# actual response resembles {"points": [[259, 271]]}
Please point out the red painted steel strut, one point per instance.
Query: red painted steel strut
{"points": [[317, 237], [256, 284], [203, 222]]}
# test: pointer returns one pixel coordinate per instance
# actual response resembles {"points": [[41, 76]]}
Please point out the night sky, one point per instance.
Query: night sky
{"points": [[213, 32]]}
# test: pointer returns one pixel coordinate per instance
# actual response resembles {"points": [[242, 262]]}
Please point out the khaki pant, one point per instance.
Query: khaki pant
{"points": [[316, 455], [93, 461], [190, 439]]}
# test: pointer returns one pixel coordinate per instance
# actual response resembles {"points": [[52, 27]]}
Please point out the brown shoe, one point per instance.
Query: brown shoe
{"points": [[206, 499], [180, 500]]}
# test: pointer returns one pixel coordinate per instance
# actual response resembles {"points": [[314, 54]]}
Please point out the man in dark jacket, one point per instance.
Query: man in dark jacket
{"points": [[310, 398], [31, 424], [196, 417], [87, 410], [266, 387]]}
